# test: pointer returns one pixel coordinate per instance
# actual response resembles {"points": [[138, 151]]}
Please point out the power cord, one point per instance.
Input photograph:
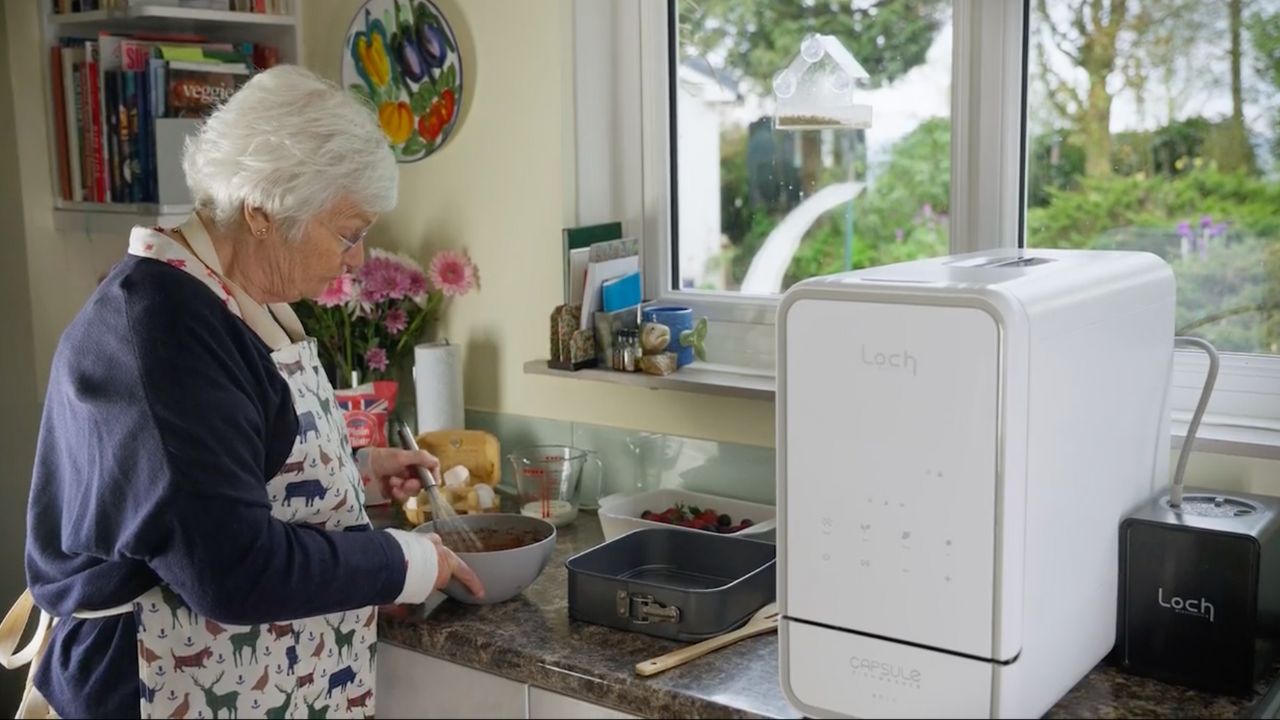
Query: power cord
{"points": [[1175, 491]]}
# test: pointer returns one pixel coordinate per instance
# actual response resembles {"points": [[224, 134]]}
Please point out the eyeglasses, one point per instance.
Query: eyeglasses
{"points": [[348, 243]]}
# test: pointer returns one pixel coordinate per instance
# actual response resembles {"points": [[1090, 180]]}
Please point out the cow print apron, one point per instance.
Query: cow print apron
{"points": [[195, 667]]}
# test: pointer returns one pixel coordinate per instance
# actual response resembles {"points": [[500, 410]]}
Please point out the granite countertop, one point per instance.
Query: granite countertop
{"points": [[530, 639]]}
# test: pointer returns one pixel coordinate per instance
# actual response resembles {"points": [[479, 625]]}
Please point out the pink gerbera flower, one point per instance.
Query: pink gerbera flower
{"points": [[339, 292], [376, 359], [452, 273], [396, 321]]}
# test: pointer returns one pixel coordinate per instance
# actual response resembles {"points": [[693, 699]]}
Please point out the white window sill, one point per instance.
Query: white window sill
{"points": [[1242, 437], [1221, 435], [705, 378]]}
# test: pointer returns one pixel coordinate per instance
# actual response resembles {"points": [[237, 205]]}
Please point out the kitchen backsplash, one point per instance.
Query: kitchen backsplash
{"points": [[635, 460]]}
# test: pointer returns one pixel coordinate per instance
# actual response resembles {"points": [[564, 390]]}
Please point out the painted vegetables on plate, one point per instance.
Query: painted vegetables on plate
{"points": [[692, 516], [402, 57]]}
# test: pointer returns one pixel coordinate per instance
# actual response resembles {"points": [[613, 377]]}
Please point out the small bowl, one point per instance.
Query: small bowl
{"points": [[504, 573]]}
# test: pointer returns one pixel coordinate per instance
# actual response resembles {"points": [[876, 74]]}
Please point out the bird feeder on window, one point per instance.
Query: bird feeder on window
{"points": [[817, 90]]}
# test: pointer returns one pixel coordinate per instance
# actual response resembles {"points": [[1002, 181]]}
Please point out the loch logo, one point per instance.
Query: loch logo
{"points": [[904, 360], [1199, 608]]}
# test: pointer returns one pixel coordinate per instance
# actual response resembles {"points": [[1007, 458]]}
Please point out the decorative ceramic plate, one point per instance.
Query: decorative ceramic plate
{"points": [[402, 56]]}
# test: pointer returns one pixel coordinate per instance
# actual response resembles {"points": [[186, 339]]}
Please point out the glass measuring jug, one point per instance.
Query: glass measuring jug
{"points": [[550, 483]]}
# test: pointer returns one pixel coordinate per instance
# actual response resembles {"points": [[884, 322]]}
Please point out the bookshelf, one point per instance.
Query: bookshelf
{"points": [[162, 17], [282, 31]]}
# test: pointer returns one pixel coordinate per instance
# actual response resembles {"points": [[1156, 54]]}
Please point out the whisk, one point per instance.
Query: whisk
{"points": [[451, 529]]}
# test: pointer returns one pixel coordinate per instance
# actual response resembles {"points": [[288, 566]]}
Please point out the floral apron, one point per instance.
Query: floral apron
{"points": [[191, 666]]}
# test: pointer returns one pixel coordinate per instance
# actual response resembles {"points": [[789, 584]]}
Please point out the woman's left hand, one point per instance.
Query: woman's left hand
{"points": [[394, 469]]}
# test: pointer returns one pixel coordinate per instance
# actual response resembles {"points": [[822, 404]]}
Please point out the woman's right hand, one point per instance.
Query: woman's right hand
{"points": [[450, 566]]}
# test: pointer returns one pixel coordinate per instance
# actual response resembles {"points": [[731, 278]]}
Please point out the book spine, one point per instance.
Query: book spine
{"points": [[96, 119], [71, 99], [84, 124], [60, 121], [111, 104], [153, 171], [142, 103], [122, 137], [155, 85], [131, 116]]}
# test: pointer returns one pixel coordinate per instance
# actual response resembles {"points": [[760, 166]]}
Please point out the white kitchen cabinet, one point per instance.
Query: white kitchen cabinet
{"points": [[414, 685], [546, 704]]}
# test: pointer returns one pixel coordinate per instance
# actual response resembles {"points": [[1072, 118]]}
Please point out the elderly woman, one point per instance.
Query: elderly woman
{"points": [[196, 521]]}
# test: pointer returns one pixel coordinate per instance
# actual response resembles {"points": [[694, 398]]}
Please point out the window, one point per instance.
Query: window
{"points": [[758, 205], [1153, 125], [692, 85]]}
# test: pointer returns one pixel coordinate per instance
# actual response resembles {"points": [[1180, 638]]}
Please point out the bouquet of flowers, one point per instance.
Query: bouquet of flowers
{"points": [[367, 322]]}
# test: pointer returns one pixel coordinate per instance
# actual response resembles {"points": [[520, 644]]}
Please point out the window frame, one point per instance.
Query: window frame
{"points": [[987, 142], [619, 61]]}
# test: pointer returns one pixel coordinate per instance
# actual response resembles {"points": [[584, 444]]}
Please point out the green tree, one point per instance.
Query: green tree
{"points": [[1236, 153], [1090, 40], [760, 37], [1228, 285], [903, 216], [1264, 36]]}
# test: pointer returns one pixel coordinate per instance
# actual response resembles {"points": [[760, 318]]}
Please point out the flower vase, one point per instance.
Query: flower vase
{"points": [[406, 403]]}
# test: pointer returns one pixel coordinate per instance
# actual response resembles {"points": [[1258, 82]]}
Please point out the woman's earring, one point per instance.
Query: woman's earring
{"points": [[260, 232]]}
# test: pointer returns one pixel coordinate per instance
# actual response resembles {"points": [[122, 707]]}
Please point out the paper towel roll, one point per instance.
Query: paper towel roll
{"points": [[437, 379]]}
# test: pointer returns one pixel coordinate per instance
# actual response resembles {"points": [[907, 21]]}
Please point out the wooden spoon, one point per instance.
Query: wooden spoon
{"points": [[765, 620]]}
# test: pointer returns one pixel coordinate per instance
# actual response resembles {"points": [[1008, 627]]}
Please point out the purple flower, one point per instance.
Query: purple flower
{"points": [[898, 234], [396, 321], [1184, 229], [376, 359], [926, 211], [1205, 221], [1218, 229], [378, 279], [417, 284], [387, 276]]}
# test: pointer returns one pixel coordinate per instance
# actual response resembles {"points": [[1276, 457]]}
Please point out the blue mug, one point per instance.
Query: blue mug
{"points": [[677, 319]]}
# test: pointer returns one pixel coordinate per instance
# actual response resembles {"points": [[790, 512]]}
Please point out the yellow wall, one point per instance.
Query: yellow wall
{"points": [[497, 190], [63, 267], [20, 411]]}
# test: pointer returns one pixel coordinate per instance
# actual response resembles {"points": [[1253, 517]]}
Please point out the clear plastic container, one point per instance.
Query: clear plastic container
{"points": [[819, 88]]}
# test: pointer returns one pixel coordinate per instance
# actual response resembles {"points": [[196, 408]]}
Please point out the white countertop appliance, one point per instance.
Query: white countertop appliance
{"points": [[958, 440]]}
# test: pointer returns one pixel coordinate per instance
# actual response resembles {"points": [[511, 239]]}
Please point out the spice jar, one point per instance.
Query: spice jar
{"points": [[615, 359], [630, 351]]}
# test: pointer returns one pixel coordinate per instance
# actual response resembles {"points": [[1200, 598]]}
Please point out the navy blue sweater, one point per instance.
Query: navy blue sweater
{"points": [[163, 421]]}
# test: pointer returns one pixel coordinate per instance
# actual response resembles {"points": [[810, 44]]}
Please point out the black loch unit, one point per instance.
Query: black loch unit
{"points": [[1199, 598]]}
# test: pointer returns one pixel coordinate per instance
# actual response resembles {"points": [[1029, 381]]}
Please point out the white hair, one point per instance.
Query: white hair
{"points": [[289, 143]]}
